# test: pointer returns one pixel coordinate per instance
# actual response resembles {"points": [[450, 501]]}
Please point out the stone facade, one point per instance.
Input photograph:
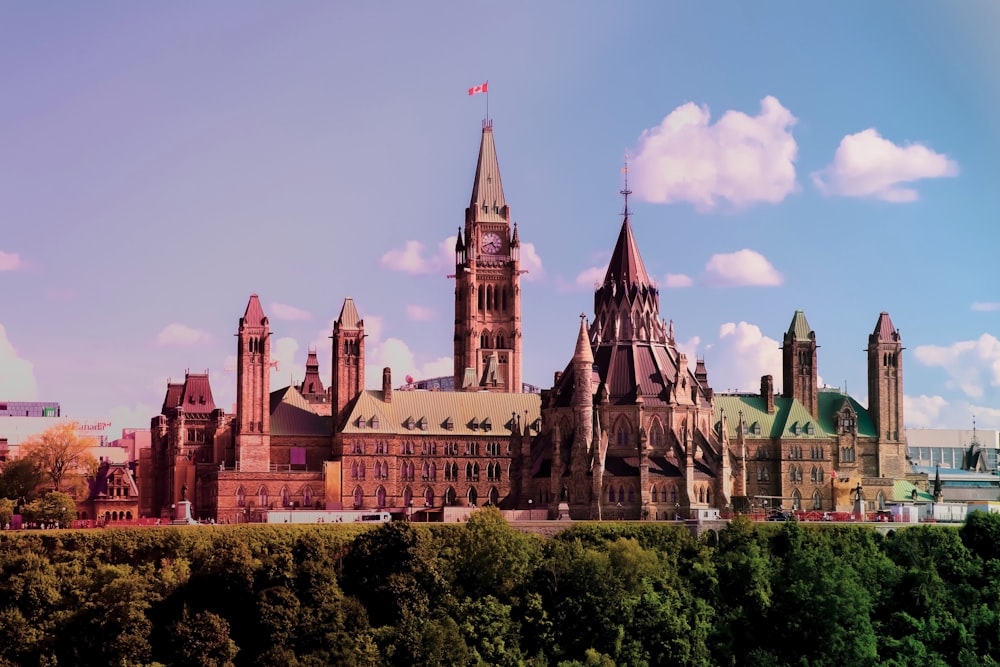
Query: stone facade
{"points": [[628, 430]]}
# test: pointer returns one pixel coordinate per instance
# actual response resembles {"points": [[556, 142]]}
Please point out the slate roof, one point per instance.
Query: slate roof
{"points": [[196, 394], [349, 318], [799, 326], [439, 413], [254, 315]]}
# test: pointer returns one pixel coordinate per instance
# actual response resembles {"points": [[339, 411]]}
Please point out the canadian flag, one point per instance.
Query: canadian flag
{"points": [[482, 88]]}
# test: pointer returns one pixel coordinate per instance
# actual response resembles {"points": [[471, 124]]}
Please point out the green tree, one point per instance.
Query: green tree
{"points": [[59, 451], [53, 506], [21, 479], [202, 640]]}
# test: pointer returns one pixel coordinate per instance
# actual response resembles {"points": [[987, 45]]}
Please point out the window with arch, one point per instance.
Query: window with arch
{"points": [[796, 500], [621, 494], [494, 496], [359, 496], [611, 494], [262, 496], [656, 434], [673, 495], [307, 496], [286, 497], [817, 500], [449, 496], [880, 500], [380, 496], [653, 495], [623, 433], [631, 494], [407, 497], [241, 497], [428, 497], [472, 496]]}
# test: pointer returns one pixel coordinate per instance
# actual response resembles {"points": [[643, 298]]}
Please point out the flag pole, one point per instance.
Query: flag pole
{"points": [[487, 100]]}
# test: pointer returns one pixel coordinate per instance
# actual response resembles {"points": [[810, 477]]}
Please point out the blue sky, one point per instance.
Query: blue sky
{"points": [[160, 162]]}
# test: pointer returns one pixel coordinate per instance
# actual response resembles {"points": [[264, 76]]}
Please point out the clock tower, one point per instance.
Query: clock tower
{"points": [[488, 285]]}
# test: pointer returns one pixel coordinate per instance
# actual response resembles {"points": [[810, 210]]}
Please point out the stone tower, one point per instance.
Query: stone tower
{"points": [[348, 373], [799, 374], [885, 395], [253, 386], [487, 285]]}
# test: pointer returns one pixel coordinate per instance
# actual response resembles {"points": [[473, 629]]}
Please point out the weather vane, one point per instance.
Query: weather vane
{"points": [[626, 192]]}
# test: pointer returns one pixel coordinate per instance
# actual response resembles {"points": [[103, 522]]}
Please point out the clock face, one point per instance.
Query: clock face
{"points": [[490, 243]]}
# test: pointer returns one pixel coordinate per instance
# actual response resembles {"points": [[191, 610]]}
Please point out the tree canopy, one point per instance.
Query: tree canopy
{"points": [[59, 451]]}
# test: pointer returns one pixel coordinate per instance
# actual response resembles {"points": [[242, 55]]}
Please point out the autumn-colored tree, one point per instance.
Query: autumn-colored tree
{"points": [[59, 451]]}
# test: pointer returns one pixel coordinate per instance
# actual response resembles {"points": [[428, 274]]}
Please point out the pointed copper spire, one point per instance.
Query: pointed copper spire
{"points": [[514, 240], [349, 318], [884, 331], [254, 315], [626, 263], [487, 200]]}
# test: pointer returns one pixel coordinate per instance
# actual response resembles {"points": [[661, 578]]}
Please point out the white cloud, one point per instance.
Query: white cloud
{"points": [[677, 280], [131, 416], [396, 354], [181, 334], [741, 268], [530, 262], [742, 159], [419, 313], [970, 364], [11, 261], [690, 348], [590, 278], [413, 258], [923, 411], [282, 311], [17, 375], [986, 306], [742, 355], [283, 358], [866, 165]]}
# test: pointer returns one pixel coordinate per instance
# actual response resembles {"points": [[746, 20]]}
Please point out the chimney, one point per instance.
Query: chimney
{"points": [[387, 384], [767, 392]]}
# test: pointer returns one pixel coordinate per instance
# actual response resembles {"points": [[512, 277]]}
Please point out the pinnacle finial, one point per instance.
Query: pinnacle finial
{"points": [[625, 192]]}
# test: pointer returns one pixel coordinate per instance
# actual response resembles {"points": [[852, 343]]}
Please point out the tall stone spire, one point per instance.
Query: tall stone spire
{"points": [[487, 276], [487, 203]]}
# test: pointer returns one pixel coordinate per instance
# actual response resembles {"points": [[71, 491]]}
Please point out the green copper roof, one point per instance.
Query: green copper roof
{"points": [[791, 419], [902, 490], [799, 326]]}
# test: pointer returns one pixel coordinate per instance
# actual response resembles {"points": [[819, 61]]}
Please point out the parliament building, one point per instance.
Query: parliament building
{"points": [[627, 430]]}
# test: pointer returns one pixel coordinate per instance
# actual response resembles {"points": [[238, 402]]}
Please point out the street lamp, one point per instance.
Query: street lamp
{"points": [[409, 511], [677, 511], [529, 509]]}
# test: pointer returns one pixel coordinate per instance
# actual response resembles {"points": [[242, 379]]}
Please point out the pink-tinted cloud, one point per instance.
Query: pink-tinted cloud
{"points": [[11, 261], [741, 159], [419, 313], [181, 335], [17, 375], [531, 263], [867, 165], [281, 311], [739, 269], [413, 258], [677, 280]]}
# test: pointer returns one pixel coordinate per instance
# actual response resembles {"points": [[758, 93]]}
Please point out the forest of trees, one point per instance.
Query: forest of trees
{"points": [[483, 593]]}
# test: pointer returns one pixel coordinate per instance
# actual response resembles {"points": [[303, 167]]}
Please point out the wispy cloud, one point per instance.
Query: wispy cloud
{"points": [[419, 313], [970, 364], [181, 335], [11, 261], [282, 311], [531, 263], [986, 306], [739, 269], [867, 165], [741, 159], [677, 280], [415, 259], [17, 375]]}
